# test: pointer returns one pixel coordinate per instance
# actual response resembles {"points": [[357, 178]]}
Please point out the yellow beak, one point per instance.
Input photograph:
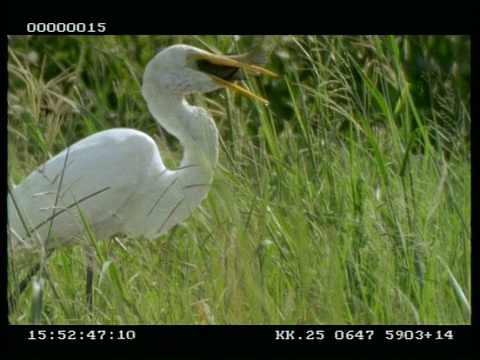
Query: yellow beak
{"points": [[229, 65]]}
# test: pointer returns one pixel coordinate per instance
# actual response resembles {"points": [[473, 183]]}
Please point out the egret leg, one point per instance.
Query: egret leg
{"points": [[12, 300], [89, 281]]}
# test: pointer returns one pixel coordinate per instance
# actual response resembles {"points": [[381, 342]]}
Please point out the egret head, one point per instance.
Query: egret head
{"points": [[182, 69]]}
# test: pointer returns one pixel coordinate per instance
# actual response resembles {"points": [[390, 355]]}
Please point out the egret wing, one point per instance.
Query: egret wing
{"points": [[96, 177]]}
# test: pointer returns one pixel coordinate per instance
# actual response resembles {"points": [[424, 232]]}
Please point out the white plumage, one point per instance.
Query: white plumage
{"points": [[116, 178]]}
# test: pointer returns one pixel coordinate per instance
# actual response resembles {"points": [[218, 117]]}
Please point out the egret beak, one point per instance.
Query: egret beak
{"points": [[222, 69]]}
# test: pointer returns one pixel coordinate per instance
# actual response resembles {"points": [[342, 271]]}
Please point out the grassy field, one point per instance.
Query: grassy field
{"points": [[346, 201]]}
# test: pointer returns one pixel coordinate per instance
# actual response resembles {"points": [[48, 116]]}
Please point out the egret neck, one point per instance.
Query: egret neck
{"points": [[193, 127], [197, 133]]}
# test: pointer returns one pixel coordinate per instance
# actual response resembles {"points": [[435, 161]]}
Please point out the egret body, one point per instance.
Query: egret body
{"points": [[116, 178]]}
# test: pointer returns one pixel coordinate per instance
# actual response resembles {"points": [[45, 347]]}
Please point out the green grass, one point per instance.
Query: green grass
{"points": [[346, 201]]}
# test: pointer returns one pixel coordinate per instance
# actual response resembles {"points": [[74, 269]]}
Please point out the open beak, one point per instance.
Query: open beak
{"points": [[224, 69]]}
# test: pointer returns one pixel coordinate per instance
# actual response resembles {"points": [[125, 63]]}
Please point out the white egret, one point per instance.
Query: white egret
{"points": [[116, 178]]}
